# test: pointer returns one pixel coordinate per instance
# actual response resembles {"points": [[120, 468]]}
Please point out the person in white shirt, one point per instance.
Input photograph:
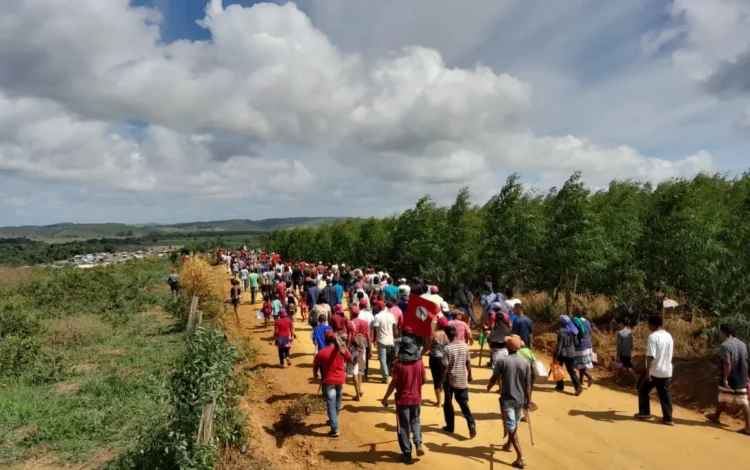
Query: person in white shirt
{"points": [[511, 300], [403, 288], [658, 374], [384, 328], [366, 315]]}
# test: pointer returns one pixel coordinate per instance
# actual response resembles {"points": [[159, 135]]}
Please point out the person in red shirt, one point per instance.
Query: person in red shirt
{"points": [[359, 327], [408, 378], [338, 322], [283, 333], [393, 308], [331, 360], [463, 331], [281, 289]]}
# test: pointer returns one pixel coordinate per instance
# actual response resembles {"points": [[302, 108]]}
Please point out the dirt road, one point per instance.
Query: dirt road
{"points": [[593, 431]]}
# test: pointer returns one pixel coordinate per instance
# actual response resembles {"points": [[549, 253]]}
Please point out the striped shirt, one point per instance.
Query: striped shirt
{"points": [[454, 360]]}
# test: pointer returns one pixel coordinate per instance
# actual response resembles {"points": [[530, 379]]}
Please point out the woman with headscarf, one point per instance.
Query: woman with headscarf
{"points": [[283, 333], [499, 328], [584, 346], [567, 339], [435, 349]]}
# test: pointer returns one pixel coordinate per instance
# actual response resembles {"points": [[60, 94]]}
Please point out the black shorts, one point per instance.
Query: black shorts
{"points": [[627, 362], [436, 367]]}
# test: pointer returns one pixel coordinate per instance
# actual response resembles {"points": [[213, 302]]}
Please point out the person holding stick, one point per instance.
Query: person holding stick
{"points": [[515, 374], [283, 334], [407, 380]]}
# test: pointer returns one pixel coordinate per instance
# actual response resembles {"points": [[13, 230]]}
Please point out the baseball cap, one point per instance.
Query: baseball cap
{"points": [[329, 334], [363, 303]]}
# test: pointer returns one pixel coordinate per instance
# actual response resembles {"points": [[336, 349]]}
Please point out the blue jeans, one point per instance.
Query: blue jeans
{"points": [[385, 356], [513, 412], [408, 420], [332, 395]]}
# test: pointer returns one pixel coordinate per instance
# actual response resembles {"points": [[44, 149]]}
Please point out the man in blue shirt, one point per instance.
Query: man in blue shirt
{"points": [[339, 290], [390, 291], [319, 333], [522, 326]]}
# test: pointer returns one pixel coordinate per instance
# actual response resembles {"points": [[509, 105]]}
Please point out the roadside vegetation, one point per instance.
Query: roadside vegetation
{"points": [[96, 365]]}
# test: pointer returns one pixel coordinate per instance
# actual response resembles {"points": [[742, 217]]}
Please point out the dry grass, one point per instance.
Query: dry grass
{"points": [[689, 342], [197, 277], [14, 277], [539, 305], [297, 411]]}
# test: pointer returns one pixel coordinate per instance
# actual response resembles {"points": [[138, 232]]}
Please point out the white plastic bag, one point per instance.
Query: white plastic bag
{"points": [[259, 315], [540, 372]]}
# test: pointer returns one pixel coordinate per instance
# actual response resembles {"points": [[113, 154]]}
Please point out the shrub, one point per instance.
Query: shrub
{"points": [[205, 374]]}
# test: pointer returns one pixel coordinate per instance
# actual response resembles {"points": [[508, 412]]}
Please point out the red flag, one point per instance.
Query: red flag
{"points": [[419, 315]]}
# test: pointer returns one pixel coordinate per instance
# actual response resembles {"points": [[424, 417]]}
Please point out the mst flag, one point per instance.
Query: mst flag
{"points": [[419, 315]]}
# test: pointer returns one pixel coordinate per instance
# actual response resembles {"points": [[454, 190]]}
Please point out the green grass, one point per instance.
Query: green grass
{"points": [[113, 385]]}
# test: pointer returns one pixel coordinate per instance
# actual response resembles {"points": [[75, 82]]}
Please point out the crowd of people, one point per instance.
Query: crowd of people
{"points": [[322, 294]]}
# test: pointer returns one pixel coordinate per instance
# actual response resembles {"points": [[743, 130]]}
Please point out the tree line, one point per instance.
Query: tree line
{"points": [[632, 242]]}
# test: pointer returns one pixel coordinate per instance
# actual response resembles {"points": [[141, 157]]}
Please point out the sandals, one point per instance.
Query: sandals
{"points": [[518, 464]]}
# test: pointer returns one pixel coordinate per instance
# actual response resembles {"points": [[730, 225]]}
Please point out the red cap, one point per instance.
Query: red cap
{"points": [[380, 304], [363, 303], [329, 334], [355, 310], [442, 323], [338, 308]]}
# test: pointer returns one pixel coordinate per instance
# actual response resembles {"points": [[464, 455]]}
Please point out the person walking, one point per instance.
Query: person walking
{"points": [[658, 373], [522, 326], [276, 305], [244, 278], [408, 378], [625, 347], [464, 301], [174, 282], [365, 315], [499, 328], [455, 382], [283, 334], [361, 328], [515, 375], [567, 338], [253, 278], [235, 296], [435, 350], [584, 347], [734, 377], [331, 361], [384, 328]]}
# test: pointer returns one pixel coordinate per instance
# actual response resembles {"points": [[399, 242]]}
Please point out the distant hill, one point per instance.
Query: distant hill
{"points": [[72, 231]]}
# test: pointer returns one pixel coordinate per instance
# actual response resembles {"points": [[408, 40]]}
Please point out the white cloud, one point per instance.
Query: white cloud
{"points": [[268, 77]]}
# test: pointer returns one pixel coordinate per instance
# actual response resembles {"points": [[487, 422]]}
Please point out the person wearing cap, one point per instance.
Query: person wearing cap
{"points": [[283, 334], [455, 383], [366, 316], [174, 282], [433, 295], [331, 361], [338, 322], [498, 329], [404, 290], [408, 378], [385, 331], [514, 372], [435, 350]]}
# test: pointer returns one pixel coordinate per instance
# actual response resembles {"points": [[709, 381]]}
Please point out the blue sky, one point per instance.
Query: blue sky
{"points": [[355, 107]]}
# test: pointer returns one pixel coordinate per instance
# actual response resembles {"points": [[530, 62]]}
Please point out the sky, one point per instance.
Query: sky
{"points": [[144, 111]]}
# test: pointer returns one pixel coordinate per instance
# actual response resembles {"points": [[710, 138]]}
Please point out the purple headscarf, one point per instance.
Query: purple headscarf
{"points": [[283, 313], [567, 324]]}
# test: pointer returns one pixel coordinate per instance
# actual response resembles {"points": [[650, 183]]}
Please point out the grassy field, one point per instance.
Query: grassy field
{"points": [[85, 359]]}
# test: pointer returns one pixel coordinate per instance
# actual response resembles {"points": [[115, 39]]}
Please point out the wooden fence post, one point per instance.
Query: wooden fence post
{"points": [[206, 424], [195, 316]]}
